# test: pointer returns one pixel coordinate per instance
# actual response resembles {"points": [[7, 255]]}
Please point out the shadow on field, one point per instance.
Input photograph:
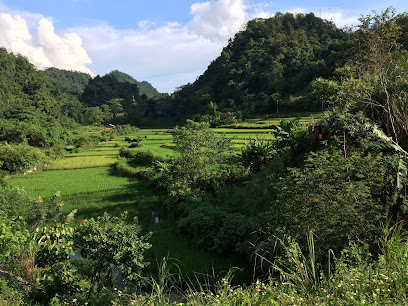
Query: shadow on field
{"points": [[137, 198]]}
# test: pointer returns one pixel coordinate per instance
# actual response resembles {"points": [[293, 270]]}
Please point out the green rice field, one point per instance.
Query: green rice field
{"points": [[87, 183]]}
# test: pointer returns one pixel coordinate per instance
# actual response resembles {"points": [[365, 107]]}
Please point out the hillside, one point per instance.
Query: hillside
{"points": [[272, 60], [73, 81], [30, 95], [145, 88]]}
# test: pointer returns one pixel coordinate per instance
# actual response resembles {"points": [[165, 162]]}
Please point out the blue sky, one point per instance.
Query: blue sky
{"points": [[168, 43]]}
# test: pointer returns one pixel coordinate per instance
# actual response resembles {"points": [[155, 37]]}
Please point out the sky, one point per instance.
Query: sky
{"points": [[168, 43]]}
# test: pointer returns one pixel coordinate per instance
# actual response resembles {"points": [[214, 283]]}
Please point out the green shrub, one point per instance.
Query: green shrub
{"points": [[215, 229], [120, 130], [136, 145], [15, 203], [13, 237], [113, 243], [15, 132], [144, 158], [331, 195], [290, 136], [87, 142], [10, 295], [201, 154], [21, 157], [122, 168], [256, 153]]}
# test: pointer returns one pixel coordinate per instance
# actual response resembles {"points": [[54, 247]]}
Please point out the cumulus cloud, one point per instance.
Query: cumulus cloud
{"points": [[172, 54], [167, 56], [41, 45], [64, 52], [218, 19]]}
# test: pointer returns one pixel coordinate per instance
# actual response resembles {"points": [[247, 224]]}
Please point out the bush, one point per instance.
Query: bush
{"points": [[15, 203], [144, 158], [333, 196], [113, 243], [215, 229], [201, 154], [256, 153], [120, 130], [21, 157], [87, 142], [122, 168], [136, 145], [34, 135]]}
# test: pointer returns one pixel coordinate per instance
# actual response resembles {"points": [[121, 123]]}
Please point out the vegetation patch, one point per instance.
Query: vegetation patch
{"points": [[82, 162]]}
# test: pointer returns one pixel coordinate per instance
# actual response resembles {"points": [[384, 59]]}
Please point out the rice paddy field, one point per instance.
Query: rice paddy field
{"points": [[87, 183]]}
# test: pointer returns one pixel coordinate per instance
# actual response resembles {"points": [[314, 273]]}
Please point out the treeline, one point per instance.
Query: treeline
{"points": [[112, 94], [40, 116]]}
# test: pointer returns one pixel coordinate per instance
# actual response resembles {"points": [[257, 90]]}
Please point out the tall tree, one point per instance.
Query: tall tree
{"points": [[116, 106], [377, 82]]}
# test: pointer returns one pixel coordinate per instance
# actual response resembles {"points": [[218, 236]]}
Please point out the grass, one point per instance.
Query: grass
{"points": [[86, 182], [95, 191], [82, 162]]}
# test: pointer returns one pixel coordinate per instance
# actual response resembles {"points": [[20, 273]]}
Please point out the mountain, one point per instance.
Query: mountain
{"points": [[272, 59], [100, 90], [29, 95], [145, 88]]}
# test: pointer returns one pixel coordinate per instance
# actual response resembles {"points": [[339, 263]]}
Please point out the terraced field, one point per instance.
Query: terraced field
{"points": [[87, 183]]}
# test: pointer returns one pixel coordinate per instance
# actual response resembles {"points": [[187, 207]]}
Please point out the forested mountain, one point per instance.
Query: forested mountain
{"points": [[37, 115], [27, 94], [145, 88], [272, 60], [100, 90], [73, 81]]}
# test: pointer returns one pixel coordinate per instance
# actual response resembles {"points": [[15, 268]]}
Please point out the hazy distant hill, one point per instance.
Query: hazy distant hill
{"points": [[75, 81], [145, 88]]}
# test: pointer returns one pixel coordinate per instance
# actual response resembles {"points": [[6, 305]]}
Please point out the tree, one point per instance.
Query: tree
{"points": [[113, 243], [95, 115], [201, 151], [115, 106], [382, 70]]}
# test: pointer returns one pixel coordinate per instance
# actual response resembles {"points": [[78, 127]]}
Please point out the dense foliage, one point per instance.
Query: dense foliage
{"points": [[316, 215], [145, 88], [30, 95], [268, 67], [73, 81]]}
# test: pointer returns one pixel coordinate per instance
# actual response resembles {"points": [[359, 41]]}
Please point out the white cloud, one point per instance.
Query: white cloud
{"points": [[167, 55], [218, 19], [64, 52], [41, 45], [342, 18]]}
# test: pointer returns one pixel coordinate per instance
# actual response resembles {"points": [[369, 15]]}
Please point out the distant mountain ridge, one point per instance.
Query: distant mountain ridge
{"points": [[75, 81], [145, 88]]}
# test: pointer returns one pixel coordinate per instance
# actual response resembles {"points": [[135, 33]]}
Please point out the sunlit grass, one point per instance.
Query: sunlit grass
{"points": [[86, 183], [81, 162], [95, 191]]}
